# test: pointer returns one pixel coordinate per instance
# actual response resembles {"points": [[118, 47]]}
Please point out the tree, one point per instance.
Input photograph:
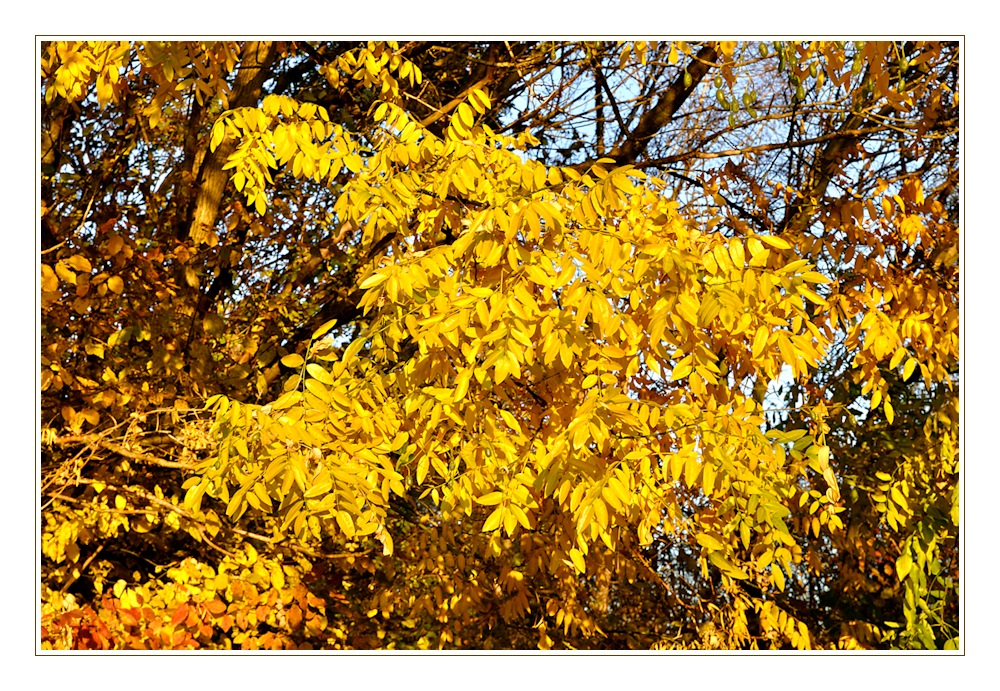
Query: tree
{"points": [[583, 345]]}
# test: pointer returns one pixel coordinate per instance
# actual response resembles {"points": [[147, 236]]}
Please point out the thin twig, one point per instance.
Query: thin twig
{"points": [[81, 570]]}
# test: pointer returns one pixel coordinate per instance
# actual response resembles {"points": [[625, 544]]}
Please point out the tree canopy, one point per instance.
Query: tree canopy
{"points": [[533, 344]]}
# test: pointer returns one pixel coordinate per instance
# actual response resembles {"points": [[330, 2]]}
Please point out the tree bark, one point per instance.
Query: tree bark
{"points": [[254, 69]]}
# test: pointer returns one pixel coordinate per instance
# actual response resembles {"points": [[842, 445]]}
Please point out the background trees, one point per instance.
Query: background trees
{"points": [[500, 344]]}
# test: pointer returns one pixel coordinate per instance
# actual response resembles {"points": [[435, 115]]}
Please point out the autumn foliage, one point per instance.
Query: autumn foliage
{"points": [[499, 345]]}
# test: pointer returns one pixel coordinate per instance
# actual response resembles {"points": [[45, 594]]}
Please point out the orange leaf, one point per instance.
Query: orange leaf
{"points": [[215, 607], [180, 614]]}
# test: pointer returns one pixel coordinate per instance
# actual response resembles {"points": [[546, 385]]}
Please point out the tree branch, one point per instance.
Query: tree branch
{"points": [[705, 155], [654, 119], [826, 165], [607, 90]]}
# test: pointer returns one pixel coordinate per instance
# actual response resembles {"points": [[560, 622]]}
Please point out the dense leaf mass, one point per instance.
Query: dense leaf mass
{"points": [[499, 345]]}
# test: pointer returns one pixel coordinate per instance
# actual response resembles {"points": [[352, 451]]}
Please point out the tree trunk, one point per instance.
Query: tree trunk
{"points": [[254, 68]]}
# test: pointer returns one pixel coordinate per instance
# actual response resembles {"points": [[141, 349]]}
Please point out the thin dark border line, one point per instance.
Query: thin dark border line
{"points": [[961, 38]]}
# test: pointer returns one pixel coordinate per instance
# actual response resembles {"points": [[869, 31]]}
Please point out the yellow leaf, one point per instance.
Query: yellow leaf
{"points": [[50, 282], [578, 561], [466, 114], [241, 447], [373, 280], [490, 499], [354, 163], [346, 523], [811, 296], [620, 491], [480, 100], [277, 576], [887, 207], [897, 358], [787, 351], [80, 263], [760, 341], [682, 370], [600, 510], [708, 542], [462, 384], [815, 277], [726, 567], [501, 370], [777, 577], [691, 471], [774, 241], [764, 559], [352, 350], [736, 252], [218, 133], [323, 329], [293, 360], [493, 522], [316, 371], [458, 127], [509, 522], [116, 285], [903, 565], [908, 368], [898, 497], [64, 273], [623, 60], [511, 421], [521, 516]]}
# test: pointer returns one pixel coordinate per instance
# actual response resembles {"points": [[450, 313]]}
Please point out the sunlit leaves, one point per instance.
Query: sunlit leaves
{"points": [[537, 389]]}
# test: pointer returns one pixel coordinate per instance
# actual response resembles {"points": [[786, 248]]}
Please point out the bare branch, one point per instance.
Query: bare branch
{"points": [[654, 119]]}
